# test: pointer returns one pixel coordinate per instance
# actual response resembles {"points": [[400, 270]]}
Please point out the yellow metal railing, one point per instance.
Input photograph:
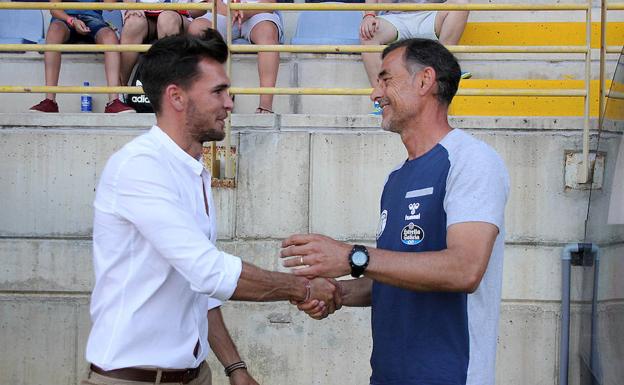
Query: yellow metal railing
{"points": [[231, 6]]}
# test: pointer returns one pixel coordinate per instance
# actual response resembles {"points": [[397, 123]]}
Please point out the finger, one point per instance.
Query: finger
{"points": [[297, 239], [316, 310], [293, 250], [313, 271], [307, 306]]}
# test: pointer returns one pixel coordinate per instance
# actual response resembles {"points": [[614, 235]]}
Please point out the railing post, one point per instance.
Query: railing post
{"points": [[229, 169], [603, 52], [583, 176]]}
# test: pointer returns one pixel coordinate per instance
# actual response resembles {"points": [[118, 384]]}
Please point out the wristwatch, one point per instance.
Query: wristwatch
{"points": [[358, 259]]}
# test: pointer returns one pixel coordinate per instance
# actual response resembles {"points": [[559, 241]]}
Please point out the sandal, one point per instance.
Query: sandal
{"points": [[262, 110]]}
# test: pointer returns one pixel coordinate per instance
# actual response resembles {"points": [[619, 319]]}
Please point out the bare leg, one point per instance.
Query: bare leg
{"points": [[449, 25], [266, 32], [112, 60], [169, 23], [198, 26], [372, 60], [58, 33], [134, 32]]}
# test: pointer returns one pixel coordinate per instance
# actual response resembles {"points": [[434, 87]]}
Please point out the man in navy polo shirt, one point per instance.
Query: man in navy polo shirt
{"points": [[434, 280]]}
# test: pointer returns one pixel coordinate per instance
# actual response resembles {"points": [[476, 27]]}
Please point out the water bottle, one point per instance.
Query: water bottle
{"points": [[86, 101]]}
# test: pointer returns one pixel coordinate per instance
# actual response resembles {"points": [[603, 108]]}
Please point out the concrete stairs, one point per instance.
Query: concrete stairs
{"points": [[346, 70]]}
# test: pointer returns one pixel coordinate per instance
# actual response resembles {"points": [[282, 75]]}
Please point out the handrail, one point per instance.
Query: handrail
{"points": [[406, 7], [303, 6], [293, 91], [293, 48]]}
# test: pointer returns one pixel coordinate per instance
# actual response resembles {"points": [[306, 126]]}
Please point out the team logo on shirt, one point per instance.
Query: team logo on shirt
{"points": [[412, 208], [412, 234], [382, 223]]}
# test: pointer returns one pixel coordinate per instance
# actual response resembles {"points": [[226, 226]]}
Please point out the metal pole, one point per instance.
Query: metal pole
{"points": [[583, 176], [603, 50], [229, 173], [564, 343]]}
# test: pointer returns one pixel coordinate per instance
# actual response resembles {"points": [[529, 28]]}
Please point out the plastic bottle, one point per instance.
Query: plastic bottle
{"points": [[86, 104]]}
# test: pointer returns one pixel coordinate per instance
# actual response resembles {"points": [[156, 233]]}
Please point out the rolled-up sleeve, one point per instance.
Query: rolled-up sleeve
{"points": [[150, 200]]}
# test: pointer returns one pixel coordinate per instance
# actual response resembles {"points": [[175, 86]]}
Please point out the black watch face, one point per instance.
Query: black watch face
{"points": [[359, 258]]}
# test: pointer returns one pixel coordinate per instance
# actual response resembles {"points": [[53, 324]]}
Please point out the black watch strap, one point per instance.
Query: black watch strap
{"points": [[356, 269]]}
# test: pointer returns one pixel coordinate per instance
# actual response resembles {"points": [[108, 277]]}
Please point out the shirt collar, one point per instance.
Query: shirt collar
{"points": [[195, 165]]}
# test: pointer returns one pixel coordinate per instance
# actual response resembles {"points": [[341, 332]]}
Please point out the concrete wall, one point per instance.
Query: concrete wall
{"points": [[296, 173]]}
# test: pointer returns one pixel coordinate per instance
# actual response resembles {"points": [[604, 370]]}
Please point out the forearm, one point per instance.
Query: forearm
{"points": [[220, 340], [260, 285], [356, 292], [58, 13]]}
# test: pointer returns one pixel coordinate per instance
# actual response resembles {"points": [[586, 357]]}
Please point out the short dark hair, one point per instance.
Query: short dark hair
{"points": [[421, 53], [174, 59]]}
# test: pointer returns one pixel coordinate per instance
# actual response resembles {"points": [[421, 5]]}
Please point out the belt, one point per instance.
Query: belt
{"points": [[149, 375]]}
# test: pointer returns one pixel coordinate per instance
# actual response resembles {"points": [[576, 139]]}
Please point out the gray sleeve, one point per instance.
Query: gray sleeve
{"points": [[477, 186]]}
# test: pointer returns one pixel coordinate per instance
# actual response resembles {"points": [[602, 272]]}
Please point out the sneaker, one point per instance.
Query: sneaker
{"points": [[46, 105], [465, 75], [117, 107], [377, 111]]}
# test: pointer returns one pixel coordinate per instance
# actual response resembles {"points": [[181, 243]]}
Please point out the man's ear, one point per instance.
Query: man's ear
{"points": [[427, 81], [175, 96]]}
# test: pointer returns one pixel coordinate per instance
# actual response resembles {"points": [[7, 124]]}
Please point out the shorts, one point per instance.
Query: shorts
{"points": [[419, 24], [244, 32], [95, 24]]}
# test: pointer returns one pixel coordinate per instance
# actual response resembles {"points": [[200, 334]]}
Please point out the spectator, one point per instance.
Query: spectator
{"points": [[84, 26], [147, 26], [389, 27], [257, 27]]}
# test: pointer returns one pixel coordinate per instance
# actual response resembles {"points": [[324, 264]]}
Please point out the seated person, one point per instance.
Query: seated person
{"points": [[146, 26], [84, 26], [257, 27], [388, 27]]}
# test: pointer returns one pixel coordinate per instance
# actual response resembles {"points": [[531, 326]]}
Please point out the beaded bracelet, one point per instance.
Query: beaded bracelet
{"points": [[308, 294], [237, 365]]}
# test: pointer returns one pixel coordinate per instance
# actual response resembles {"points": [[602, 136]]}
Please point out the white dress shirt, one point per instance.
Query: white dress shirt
{"points": [[156, 266]]}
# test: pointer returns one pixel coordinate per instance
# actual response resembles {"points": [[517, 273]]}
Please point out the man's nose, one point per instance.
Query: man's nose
{"points": [[376, 93], [229, 102]]}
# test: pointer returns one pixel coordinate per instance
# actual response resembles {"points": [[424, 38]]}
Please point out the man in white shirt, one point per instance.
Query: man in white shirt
{"points": [[159, 277]]}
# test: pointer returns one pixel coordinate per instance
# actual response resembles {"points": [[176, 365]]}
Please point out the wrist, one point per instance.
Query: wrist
{"points": [[70, 21], [307, 290], [369, 14], [234, 367]]}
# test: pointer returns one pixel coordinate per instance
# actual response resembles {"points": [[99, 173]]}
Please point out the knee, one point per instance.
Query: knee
{"points": [[56, 32], [168, 23], [134, 30], [266, 32], [198, 27], [107, 36]]}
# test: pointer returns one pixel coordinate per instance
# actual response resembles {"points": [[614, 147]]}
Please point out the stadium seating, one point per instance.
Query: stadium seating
{"points": [[21, 27], [328, 27]]}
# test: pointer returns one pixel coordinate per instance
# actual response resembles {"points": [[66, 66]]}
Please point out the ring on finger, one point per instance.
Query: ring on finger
{"points": [[301, 260]]}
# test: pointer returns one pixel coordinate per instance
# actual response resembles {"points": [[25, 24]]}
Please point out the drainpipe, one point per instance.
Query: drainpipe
{"points": [[594, 358], [566, 259], [564, 346]]}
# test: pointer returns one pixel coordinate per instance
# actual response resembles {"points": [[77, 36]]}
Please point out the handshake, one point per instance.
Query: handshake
{"points": [[320, 259]]}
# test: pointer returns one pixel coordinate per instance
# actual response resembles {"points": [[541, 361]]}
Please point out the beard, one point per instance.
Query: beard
{"points": [[197, 122]]}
